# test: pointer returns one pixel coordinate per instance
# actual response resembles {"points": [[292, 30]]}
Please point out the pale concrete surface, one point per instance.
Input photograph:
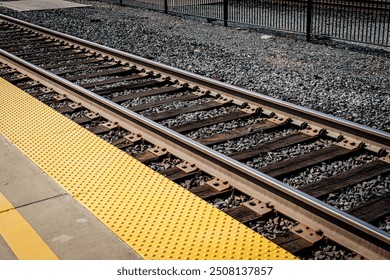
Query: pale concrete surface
{"points": [[32, 5], [5, 251], [70, 230], [21, 181]]}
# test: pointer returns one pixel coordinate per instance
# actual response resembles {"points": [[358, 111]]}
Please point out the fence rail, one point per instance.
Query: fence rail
{"points": [[365, 21]]}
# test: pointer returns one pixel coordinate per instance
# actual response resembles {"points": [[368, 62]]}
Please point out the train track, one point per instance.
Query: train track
{"points": [[217, 140]]}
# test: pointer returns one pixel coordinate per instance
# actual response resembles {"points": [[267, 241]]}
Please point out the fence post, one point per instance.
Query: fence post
{"points": [[309, 19], [121, 2], [166, 6], [225, 12]]}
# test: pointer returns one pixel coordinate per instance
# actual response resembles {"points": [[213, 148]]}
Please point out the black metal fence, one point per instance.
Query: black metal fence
{"points": [[366, 21]]}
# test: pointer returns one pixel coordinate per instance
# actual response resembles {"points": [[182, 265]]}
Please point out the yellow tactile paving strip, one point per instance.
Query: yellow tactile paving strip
{"points": [[23, 240], [156, 217]]}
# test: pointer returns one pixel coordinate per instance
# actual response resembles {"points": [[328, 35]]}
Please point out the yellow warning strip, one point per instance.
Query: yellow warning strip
{"points": [[156, 217], [23, 240]]}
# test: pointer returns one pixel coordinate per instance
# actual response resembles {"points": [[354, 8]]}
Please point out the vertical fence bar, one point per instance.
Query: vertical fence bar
{"points": [[309, 19], [376, 11], [165, 6], [225, 12], [388, 28], [349, 12], [121, 2]]}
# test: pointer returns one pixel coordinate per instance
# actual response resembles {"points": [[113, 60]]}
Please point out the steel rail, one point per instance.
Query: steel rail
{"points": [[370, 136], [343, 228]]}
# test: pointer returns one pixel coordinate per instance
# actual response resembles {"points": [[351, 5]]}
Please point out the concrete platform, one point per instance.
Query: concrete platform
{"points": [[67, 228], [33, 5]]}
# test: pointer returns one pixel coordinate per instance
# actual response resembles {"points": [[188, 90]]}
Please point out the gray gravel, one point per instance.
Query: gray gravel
{"points": [[273, 227], [77, 114], [222, 127], [339, 81], [89, 71], [117, 84], [384, 224], [34, 90], [114, 135], [175, 106], [353, 196], [149, 99], [138, 149], [285, 153], [60, 104], [90, 80], [73, 67], [195, 181], [166, 163], [325, 170], [229, 201], [199, 115], [248, 142], [46, 97], [328, 251]]}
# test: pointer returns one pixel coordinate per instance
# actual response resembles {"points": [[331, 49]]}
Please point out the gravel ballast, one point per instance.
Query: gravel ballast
{"points": [[339, 81]]}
